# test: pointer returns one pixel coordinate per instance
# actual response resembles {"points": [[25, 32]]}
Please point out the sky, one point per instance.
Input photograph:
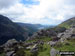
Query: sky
{"points": [[48, 12]]}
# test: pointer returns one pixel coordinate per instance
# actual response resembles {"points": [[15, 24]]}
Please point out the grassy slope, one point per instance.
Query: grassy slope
{"points": [[46, 51], [70, 47], [68, 23], [45, 39], [64, 47], [46, 47]]}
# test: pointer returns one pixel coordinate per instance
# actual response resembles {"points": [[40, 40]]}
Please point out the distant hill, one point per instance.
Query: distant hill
{"points": [[32, 28], [10, 30], [68, 23]]}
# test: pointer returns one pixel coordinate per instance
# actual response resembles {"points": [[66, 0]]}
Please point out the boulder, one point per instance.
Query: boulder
{"points": [[52, 43], [10, 43], [28, 44], [35, 46], [29, 47], [60, 34], [10, 53], [53, 52]]}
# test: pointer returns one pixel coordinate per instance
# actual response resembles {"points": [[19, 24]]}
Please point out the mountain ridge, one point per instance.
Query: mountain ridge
{"points": [[10, 30], [32, 28], [68, 23]]}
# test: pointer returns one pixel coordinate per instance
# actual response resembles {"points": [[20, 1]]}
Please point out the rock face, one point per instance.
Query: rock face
{"points": [[68, 33], [10, 30]]}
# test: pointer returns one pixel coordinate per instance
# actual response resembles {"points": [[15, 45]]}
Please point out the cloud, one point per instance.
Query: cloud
{"points": [[7, 3], [46, 12]]}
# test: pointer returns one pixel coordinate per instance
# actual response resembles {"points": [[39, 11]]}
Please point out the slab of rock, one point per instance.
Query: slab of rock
{"points": [[60, 34], [34, 48], [52, 43], [29, 47], [10, 53], [53, 52]]}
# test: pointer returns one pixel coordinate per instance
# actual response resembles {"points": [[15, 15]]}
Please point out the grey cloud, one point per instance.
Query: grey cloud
{"points": [[66, 10], [7, 3]]}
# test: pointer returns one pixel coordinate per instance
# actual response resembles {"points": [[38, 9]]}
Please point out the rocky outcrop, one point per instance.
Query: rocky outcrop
{"points": [[69, 33], [10, 43], [43, 33], [10, 53]]}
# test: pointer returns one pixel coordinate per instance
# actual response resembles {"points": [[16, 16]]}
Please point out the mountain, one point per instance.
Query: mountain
{"points": [[55, 30], [32, 28], [10, 30], [68, 23]]}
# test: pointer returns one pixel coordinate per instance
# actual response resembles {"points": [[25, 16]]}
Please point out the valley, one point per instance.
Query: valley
{"points": [[22, 39]]}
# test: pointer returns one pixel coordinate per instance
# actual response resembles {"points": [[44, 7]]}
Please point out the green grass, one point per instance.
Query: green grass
{"points": [[67, 24], [28, 53], [64, 25], [45, 39], [70, 47], [3, 54], [47, 48], [46, 51]]}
